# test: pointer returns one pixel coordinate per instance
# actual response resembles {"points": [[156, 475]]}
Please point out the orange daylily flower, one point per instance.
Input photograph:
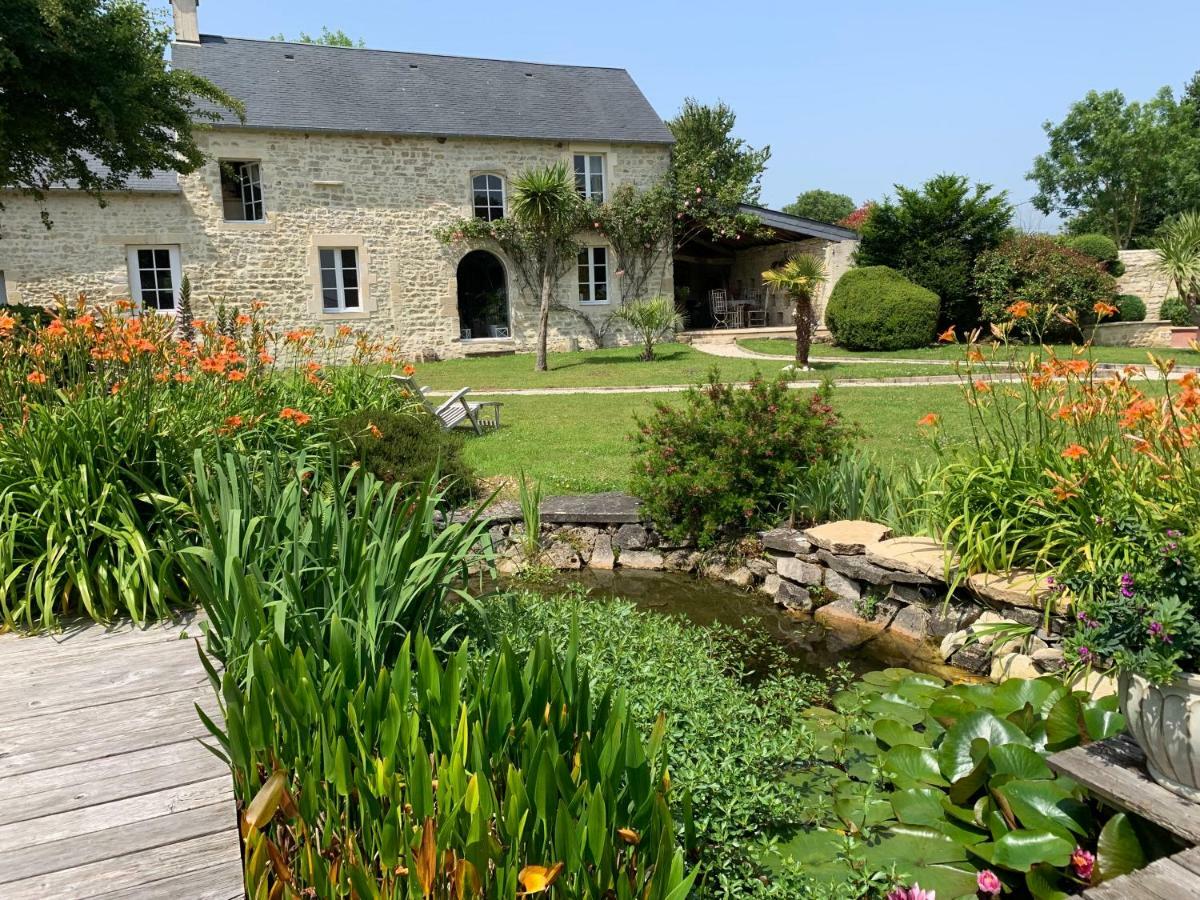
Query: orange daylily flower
{"points": [[36, 377], [1074, 451], [1020, 310], [409, 369], [929, 419], [1104, 310], [374, 430], [948, 336], [236, 375], [7, 323], [535, 879], [974, 356], [982, 386]]}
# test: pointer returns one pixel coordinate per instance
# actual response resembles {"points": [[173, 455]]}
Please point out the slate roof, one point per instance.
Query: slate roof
{"points": [[292, 86], [800, 225], [159, 182]]}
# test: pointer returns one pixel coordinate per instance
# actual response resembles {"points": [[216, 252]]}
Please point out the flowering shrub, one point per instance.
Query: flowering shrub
{"points": [[716, 463], [1045, 290], [100, 413]]}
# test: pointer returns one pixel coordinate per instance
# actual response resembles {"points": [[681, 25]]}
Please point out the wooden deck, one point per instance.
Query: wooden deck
{"points": [[104, 789]]}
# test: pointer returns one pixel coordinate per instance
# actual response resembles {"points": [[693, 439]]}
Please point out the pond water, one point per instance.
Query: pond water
{"points": [[811, 646]]}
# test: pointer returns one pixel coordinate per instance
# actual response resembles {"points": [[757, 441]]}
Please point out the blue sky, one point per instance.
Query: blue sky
{"points": [[852, 97]]}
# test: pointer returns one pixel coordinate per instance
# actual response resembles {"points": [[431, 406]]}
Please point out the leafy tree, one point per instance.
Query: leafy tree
{"points": [[934, 235], [799, 278], [1191, 96], [87, 98], [712, 172], [326, 38], [822, 206], [1120, 168], [638, 226]]}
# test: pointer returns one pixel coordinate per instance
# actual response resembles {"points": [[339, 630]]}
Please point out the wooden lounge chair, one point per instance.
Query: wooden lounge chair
{"points": [[458, 409]]}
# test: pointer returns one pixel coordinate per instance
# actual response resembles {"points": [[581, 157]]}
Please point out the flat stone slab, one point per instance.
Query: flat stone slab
{"points": [[1020, 587], [848, 536], [640, 559], [611, 508], [799, 571], [785, 540], [501, 512], [914, 555]]}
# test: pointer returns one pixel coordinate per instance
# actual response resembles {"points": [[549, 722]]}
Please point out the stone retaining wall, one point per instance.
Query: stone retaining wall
{"points": [[850, 576], [1132, 334]]}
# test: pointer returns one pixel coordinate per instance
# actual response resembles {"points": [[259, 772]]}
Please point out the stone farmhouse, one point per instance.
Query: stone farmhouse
{"points": [[323, 203]]}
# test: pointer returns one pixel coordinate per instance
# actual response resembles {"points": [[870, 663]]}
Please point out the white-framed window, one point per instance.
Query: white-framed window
{"points": [[241, 191], [154, 277], [340, 290], [593, 275], [487, 197], [589, 176]]}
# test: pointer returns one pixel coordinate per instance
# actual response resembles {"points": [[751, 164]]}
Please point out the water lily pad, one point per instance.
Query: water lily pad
{"points": [[913, 764], [1020, 761], [894, 733], [1040, 693], [901, 711], [954, 754], [1119, 850], [1046, 806], [1022, 849]]}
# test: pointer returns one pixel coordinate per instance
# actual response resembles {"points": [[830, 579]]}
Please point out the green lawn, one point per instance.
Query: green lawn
{"points": [[622, 367], [580, 444], [951, 352]]}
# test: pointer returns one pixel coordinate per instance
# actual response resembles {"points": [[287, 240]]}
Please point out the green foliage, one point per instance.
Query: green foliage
{"points": [[799, 278], [1119, 168], [712, 465], [292, 549], [1176, 312], [945, 781], [638, 227], [856, 486], [1177, 246], [822, 206], [530, 494], [712, 172], [653, 320], [1044, 289], [877, 308], [1099, 247], [409, 447], [444, 778], [934, 235], [1138, 608], [327, 38], [88, 81], [734, 720], [1130, 308]]}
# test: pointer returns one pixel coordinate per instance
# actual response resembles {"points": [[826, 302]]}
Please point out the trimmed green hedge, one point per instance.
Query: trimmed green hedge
{"points": [[1130, 308], [1176, 312], [877, 308]]}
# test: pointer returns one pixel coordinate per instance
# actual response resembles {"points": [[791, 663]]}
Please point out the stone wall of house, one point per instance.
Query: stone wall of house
{"points": [[750, 264], [383, 194], [1141, 277]]}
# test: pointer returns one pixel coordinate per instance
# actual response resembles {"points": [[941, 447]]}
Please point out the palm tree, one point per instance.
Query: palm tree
{"points": [[545, 203], [1178, 249], [652, 320], [799, 278]]}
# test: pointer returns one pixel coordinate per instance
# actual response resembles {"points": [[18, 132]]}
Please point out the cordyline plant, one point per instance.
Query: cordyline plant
{"points": [[443, 779]]}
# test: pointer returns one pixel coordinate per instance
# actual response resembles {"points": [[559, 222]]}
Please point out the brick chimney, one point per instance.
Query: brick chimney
{"points": [[187, 26]]}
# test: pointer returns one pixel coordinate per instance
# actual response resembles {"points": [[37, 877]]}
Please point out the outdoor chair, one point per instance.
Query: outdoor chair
{"points": [[481, 416], [718, 302]]}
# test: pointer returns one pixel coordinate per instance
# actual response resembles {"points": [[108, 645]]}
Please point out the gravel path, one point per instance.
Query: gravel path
{"points": [[731, 350]]}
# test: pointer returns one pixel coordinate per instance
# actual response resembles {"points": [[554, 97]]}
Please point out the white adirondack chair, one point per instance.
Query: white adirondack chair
{"points": [[458, 409]]}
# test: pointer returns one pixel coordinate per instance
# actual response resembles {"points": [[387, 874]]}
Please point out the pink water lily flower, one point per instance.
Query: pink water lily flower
{"points": [[916, 892], [988, 883], [1083, 863]]}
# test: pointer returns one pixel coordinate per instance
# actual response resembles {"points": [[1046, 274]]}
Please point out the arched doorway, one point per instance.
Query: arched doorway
{"points": [[482, 297]]}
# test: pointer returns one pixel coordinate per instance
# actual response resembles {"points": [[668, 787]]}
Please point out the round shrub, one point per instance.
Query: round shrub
{"points": [[714, 465], [877, 308], [1099, 247], [1130, 308], [1176, 312], [409, 446], [1039, 286]]}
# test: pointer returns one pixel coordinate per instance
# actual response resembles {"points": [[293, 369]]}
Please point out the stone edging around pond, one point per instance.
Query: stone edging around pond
{"points": [[847, 575]]}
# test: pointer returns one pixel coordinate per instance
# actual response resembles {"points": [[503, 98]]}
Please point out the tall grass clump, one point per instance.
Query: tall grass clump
{"points": [[100, 410]]}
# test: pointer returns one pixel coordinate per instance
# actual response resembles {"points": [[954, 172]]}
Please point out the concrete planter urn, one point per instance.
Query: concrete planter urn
{"points": [[1165, 722]]}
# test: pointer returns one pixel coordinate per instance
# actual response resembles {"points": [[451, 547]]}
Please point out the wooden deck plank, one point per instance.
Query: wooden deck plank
{"points": [[104, 789], [192, 860], [1163, 879], [1114, 769]]}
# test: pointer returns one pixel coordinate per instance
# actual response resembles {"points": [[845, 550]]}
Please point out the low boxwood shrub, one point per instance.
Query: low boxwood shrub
{"points": [[1175, 311], [877, 308], [1099, 247], [1044, 289], [1130, 308], [715, 464], [409, 447]]}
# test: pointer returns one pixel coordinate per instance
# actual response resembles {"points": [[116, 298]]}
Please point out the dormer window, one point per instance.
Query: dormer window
{"points": [[589, 176], [241, 191], [487, 193]]}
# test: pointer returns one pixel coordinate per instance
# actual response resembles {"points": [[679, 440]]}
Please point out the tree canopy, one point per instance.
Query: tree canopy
{"points": [[1120, 168], [87, 97], [712, 172], [934, 235], [822, 206], [327, 38]]}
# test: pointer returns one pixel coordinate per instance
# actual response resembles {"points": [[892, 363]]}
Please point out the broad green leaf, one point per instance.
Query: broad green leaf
{"points": [[919, 806], [913, 763], [1046, 805], [1046, 883], [894, 733], [1023, 849], [949, 708], [1040, 693], [954, 755], [891, 709], [1019, 761], [1102, 723], [1065, 725], [1118, 850]]}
